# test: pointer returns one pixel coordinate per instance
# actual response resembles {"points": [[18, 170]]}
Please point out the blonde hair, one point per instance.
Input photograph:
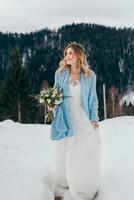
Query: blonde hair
{"points": [[81, 58]]}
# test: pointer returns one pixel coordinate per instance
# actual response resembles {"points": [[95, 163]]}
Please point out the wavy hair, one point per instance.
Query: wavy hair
{"points": [[81, 58]]}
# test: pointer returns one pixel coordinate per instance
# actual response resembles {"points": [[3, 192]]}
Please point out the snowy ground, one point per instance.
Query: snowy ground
{"points": [[27, 160]]}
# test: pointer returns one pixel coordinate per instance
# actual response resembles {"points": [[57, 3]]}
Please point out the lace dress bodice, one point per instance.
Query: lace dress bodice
{"points": [[75, 92], [79, 115]]}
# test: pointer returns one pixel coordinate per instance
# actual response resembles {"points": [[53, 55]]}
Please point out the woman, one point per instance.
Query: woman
{"points": [[75, 130]]}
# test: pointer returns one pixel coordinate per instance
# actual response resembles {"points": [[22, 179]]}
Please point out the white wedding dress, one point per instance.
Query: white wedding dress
{"points": [[77, 169]]}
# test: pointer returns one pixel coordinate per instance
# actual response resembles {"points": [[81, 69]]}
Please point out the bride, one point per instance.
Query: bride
{"points": [[75, 131]]}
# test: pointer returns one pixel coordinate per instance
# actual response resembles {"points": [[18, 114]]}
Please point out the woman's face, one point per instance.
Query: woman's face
{"points": [[70, 56]]}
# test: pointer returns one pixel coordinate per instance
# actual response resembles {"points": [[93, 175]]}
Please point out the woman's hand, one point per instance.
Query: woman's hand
{"points": [[49, 108], [95, 124]]}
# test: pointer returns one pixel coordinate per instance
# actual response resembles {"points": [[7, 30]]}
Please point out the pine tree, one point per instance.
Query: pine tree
{"points": [[14, 98]]}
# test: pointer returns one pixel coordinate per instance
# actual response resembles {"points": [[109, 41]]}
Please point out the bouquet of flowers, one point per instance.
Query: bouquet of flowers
{"points": [[51, 98]]}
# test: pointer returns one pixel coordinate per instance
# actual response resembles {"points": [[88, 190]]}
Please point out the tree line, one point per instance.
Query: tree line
{"points": [[28, 63]]}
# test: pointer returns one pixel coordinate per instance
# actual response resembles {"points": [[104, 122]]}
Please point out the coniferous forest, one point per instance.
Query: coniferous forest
{"points": [[28, 63]]}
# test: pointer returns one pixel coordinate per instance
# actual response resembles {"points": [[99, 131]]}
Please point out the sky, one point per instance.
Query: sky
{"points": [[31, 15]]}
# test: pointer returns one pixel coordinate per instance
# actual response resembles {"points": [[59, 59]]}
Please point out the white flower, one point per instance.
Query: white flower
{"points": [[57, 102], [55, 89], [46, 95], [41, 100], [42, 92], [49, 100]]}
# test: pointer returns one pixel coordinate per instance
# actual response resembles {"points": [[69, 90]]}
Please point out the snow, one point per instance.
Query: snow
{"points": [[27, 160], [128, 98]]}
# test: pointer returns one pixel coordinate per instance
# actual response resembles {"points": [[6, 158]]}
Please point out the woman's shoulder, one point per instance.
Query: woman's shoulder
{"points": [[92, 74], [57, 72], [61, 72]]}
